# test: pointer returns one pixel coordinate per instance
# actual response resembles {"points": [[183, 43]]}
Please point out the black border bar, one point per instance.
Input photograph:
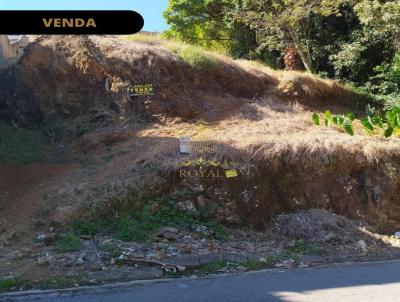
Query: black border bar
{"points": [[71, 22]]}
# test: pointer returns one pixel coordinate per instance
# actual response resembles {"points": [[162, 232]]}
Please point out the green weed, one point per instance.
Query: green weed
{"points": [[55, 283], [90, 227], [258, 265], [389, 123], [20, 146], [68, 243], [10, 284], [112, 249], [213, 267], [7, 284], [304, 247], [138, 220], [197, 57]]}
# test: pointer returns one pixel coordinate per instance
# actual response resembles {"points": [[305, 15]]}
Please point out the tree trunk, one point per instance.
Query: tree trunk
{"points": [[306, 59]]}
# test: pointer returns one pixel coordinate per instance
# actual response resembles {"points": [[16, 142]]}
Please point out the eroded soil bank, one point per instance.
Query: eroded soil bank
{"points": [[343, 183]]}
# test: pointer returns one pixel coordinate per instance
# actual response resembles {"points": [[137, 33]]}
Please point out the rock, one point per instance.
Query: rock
{"points": [[240, 269], [233, 257], [186, 205], [186, 261], [210, 258], [81, 259], [155, 208], [173, 268], [287, 264], [201, 202], [106, 242], [40, 237], [187, 249], [95, 267], [362, 246], [233, 219], [171, 230], [315, 263], [168, 233], [197, 189], [136, 255], [160, 255], [13, 236], [101, 116], [45, 260], [316, 225], [130, 273], [150, 255], [187, 238], [204, 230], [47, 239], [329, 237]]}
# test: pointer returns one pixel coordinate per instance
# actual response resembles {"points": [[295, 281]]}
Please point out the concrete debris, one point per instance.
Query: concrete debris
{"points": [[362, 246]]}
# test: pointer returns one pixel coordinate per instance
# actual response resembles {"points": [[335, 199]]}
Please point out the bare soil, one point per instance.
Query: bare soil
{"points": [[23, 194], [257, 120]]}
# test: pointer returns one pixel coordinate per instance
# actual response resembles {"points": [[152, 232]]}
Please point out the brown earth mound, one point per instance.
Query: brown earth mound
{"points": [[70, 76], [318, 225]]}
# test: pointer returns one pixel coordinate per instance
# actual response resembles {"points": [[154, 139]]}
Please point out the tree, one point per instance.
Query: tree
{"points": [[209, 23], [289, 23], [373, 44], [381, 17]]}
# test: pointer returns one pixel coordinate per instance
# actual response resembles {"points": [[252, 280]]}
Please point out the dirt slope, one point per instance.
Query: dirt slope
{"points": [[70, 76], [257, 119]]}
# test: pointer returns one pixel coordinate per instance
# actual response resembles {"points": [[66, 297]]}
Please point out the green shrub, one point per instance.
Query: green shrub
{"points": [[385, 84], [7, 284], [68, 243], [112, 249]]}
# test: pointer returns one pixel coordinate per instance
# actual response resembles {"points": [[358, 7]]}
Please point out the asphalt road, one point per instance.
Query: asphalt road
{"points": [[355, 283]]}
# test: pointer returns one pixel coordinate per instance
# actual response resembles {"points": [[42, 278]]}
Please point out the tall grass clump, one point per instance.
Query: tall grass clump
{"points": [[197, 57], [144, 38]]}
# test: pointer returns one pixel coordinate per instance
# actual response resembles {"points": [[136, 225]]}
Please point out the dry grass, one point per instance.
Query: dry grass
{"points": [[268, 125], [282, 128], [260, 128], [147, 38]]}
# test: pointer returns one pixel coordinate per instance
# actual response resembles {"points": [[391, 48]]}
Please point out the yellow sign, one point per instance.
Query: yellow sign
{"points": [[231, 173], [142, 89]]}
